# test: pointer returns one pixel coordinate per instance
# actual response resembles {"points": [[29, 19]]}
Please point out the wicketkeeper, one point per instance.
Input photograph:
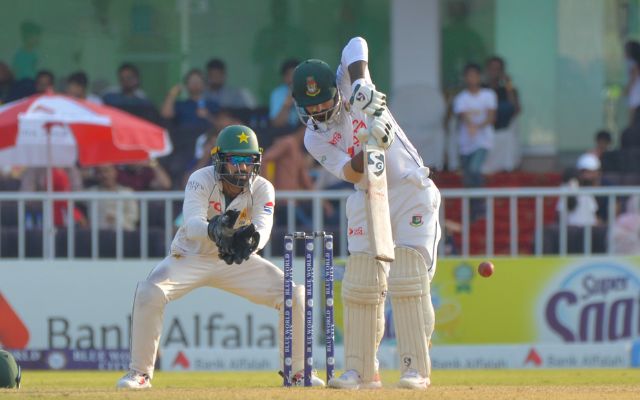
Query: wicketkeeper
{"points": [[228, 215], [334, 109]]}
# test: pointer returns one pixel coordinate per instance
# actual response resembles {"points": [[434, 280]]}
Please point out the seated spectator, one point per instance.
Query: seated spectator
{"points": [[626, 229], [45, 81], [6, 83], [148, 175], [223, 94], [282, 110], [129, 96], [195, 111], [602, 141], [107, 209], [505, 153], [77, 86], [582, 210]]}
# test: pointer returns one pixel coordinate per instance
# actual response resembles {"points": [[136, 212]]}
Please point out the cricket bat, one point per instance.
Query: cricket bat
{"points": [[377, 198]]}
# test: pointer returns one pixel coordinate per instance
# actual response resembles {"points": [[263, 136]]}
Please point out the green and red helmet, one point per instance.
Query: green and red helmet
{"points": [[237, 155], [10, 373], [314, 82]]}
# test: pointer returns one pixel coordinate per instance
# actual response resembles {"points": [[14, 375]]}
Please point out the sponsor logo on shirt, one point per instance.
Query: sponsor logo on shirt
{"points": [[193, 185], [336, 138], [268, 208], [416, 220], [357, 231], [216, 206]]}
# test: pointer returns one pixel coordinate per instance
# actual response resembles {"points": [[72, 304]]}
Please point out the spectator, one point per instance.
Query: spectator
{"points": [[25, 60], [475, 109], [77, 86], [45, 81], [632, 59], [282, 111], [35, 180], [582, 210], [108, 209], [603, 143], [626, 229], [287, 162], [144, 176], [194, 112], [505, 153], [6, 83], [129, 96], [223, 94]]}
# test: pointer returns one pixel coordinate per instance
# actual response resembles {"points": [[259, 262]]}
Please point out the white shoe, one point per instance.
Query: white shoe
{"points": [[298, 379], [411, 379], [134, 380], [351, 380]]}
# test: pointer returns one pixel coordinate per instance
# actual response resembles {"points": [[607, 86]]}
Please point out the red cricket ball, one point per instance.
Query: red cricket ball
{"points": [[485, 268]]}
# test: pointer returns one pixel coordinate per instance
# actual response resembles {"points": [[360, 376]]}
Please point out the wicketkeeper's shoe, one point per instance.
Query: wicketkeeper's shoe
{"points": [[134, 380], [298, 379], [412, 379], [351, 380]]}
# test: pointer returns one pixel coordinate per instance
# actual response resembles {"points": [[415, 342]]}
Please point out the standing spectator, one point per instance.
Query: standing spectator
{"points": [[194, 112], [25, 61], [45, 81], [282, 111], [77, 86], [602, 143], [475, 109], [505, 153], [6, 83], [129, 96], [108, 209], [632, 60], [223, 94]]}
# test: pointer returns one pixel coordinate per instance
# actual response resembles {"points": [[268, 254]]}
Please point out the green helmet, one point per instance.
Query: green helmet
{"points": [[10, 373], [237, 145], [315, 83]]}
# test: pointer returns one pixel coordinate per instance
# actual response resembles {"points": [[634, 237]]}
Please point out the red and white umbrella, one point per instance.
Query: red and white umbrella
{"points": [[57, 130]]}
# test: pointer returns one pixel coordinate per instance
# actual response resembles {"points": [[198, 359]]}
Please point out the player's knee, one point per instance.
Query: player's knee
{"points": [[150, 295], [361, 284], [408, 275]]}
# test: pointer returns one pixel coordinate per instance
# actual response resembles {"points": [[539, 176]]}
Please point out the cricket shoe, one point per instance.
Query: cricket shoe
{"points": [[298, 379], [351, 380], [134, 380], [411, 379]]}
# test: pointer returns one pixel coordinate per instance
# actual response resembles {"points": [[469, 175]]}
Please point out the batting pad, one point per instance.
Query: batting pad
{"points": [[364, 288], [297, 345], [413, 314]]}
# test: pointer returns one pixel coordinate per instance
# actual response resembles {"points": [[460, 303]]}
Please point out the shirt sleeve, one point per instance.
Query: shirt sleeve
{"points": [[276, 100], [328, 155], [262, 210], [458, 104], [194, 208], [492, 100]]}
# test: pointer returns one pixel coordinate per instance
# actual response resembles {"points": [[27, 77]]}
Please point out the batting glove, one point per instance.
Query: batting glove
{"points": [[381, 129], [365, 97]]}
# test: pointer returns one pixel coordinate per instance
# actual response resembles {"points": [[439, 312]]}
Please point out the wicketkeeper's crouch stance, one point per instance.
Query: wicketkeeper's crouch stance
{"points": [[228, 215], [334, 110]]}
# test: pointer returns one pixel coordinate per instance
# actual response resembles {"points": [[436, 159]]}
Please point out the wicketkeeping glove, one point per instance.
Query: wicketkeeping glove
{"points": [[381, 128], [221, 232], [365, 97], [245, 242]]}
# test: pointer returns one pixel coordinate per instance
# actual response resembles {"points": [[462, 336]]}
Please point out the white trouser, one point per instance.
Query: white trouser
{"points": [[414, 220], [256, 279]]}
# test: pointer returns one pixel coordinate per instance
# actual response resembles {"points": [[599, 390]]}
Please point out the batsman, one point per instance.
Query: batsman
{"points": [[227, 217], [393, 229]]}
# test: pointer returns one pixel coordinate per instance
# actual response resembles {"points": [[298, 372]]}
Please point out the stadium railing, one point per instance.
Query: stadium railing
{"points": [[511, 222]]}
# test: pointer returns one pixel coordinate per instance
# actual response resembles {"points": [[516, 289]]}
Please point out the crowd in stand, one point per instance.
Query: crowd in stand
{"points": [[482, 121]]}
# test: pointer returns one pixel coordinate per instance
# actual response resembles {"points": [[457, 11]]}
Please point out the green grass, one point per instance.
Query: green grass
{"points": [[450, 384]]}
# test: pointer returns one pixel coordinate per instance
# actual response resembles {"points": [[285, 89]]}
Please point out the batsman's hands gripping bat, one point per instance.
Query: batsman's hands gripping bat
{"points": [[377, 137], [221, 232], [367, 99]]}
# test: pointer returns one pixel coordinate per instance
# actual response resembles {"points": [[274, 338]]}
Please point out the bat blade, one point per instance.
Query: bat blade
{"points": [[377, 203]]}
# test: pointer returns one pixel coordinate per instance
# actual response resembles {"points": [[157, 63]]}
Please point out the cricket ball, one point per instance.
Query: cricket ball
{"points": [[485, 268]]}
